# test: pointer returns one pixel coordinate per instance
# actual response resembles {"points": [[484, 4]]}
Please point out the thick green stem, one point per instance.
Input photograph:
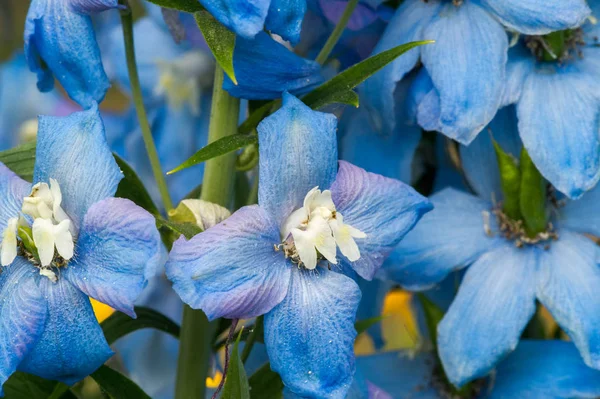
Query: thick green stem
{"points": [[138, 101], [337, 32], [217, 186]]}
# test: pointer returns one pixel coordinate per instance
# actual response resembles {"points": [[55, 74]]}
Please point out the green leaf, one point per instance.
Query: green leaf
{"points": [[363, 325], [236, 382], [533, 196], [27, 386], [188, 230], [20, 160], [433, 316], [340, 87], [220, 147], [116, 385], [265, 383], [132, 188], [190, 6], [510, 181], [62, 391], [118, 324], [219, 39]]}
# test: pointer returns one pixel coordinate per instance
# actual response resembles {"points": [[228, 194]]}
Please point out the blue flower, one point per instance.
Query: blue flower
{"points": [[508, 270], [465, 68], [60, 42], [65, 239], [248, 18], [272, 258], [365, 13]]}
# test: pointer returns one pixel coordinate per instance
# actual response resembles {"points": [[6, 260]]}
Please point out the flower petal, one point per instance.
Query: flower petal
{"points": [[568, 280], [450, 237], [93, 6], [520, 64], [582, 215], [310, 334], [231, 270], [558, 101], [12, 191], [23, 314], [382, 208], [285, 18], [72, 345], [73, 151], [538, 17], [281, 70], [494, 303], [467, 67], [545, 369], [61, 42], [244, 17], [377, 93], [118, 250], [298, 151]]}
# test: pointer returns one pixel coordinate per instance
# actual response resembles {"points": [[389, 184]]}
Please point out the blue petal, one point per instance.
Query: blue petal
{"points": [[298, 151], [231, 270], [72, 345], [382, 208], [244, 17], [12, 191], [545, 369], [65, 41], [22, 315], [558, 101], [520, 64], [495, 301], [281, 70], [93, 6], [117, 251], [73, 151], [363, 14], [568, 286], [310, 334], [467, 67], [538, 17], [285, 18], [479, 160], [582, 215], [450, 237], [374, 293], [377, 93]]}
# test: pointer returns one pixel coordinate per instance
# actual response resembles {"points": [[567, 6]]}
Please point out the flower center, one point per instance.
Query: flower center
{"points": [[43, 233], [315, 231], [560, 46]]}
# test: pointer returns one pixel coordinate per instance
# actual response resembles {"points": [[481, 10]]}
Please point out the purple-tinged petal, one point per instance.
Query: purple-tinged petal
{"points": [[93, 6], [12, 191], [494, 303], [362, 16], [298, 151], [545, 369], [118, 250], [310, 334], [73, 151], [72, 345], [450, 237], [382, 208], [467, 67], [232, 269], [568, 283], [23, 314], [538, 17]]}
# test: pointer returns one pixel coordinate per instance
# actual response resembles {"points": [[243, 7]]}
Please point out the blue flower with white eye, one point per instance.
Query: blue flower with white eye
{"points": [[286, 257], [60, 42], [466, 65], [64, 239], [508, 269]]}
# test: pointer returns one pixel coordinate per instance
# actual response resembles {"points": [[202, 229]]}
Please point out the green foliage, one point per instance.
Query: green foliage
{"points": [[219, 39], [20, 160], [118, 324], [132, 188], [190, 6], [188, 230], [236, 382], [433, 316], [116, 386], [533, 196], [265, 383], [363, 325], [510, 178]]}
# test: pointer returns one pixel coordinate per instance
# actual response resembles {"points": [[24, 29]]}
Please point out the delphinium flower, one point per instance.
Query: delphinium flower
{"points": [[288, 257], [60, 42], [65, 239], [511, 264], [466, 65]]}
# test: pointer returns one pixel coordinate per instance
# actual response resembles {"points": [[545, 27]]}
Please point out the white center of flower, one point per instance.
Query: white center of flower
{"points": [[181, 80], [49, 239], [318, 229]]}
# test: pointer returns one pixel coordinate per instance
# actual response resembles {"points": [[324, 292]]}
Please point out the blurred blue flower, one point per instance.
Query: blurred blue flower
{"points": [[60, 42], [508, 270], [82, 243], [272, 258], [465, 68]]}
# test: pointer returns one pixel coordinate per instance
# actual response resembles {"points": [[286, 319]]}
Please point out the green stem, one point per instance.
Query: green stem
{"points": [[337, 32], [217, 186], [138, 101]]}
